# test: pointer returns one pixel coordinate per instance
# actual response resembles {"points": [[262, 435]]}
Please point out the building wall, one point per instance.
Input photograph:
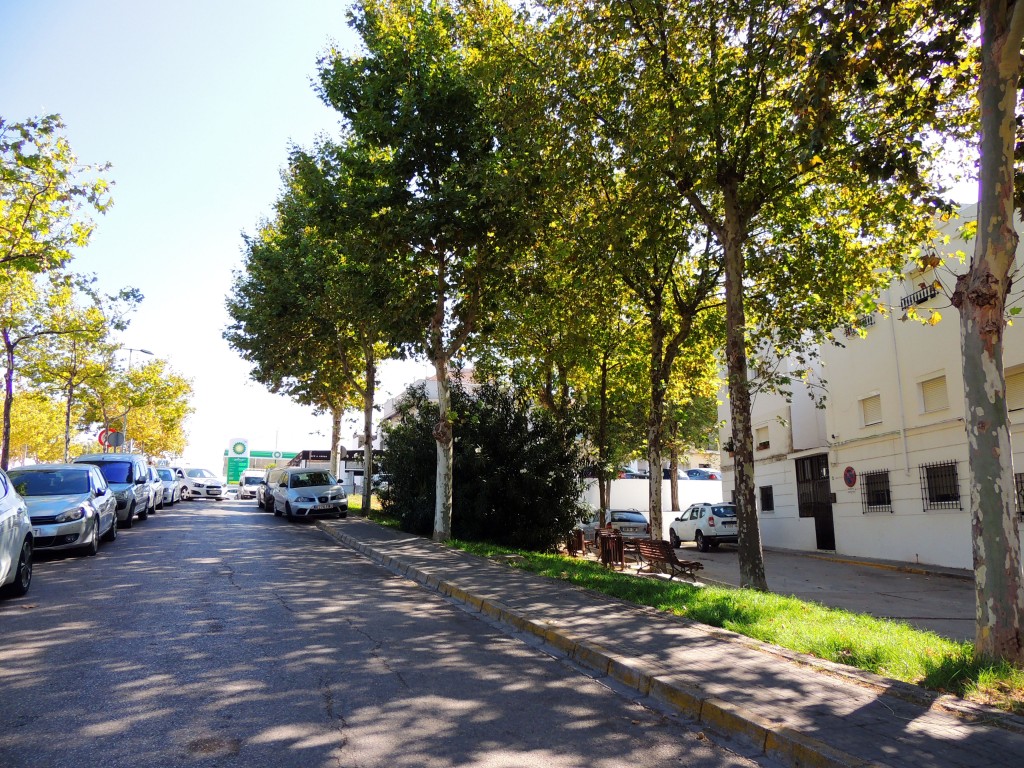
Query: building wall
{"points": [[633, 493], [894, 404]]}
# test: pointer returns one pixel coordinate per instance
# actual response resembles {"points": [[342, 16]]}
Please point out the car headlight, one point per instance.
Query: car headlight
{"points": [[304, 498], [200, 485], [70, 515], [123, 495]]}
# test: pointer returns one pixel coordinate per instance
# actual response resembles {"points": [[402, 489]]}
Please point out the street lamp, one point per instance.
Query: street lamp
{"points": [[125, 447]]}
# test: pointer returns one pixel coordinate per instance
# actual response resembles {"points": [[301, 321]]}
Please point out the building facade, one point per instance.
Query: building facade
{"points": [[882, 471]]}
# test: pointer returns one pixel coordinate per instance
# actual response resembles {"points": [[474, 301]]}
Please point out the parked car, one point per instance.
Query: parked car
{"points": [[303, 492], [200, 483], [156, 489], [15, 540], [249, 482], [71, 506], [706, 524], [380, 482], [630, 523], [271, 476], [666, 474], [171, 485], [128, 478], [704, 474]]}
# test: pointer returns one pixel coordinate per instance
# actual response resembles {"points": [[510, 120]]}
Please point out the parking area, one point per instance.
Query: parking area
{"points": [[940, 600]]}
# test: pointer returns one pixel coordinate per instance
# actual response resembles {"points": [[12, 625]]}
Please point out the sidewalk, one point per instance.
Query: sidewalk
{"points": [[801, 711]]}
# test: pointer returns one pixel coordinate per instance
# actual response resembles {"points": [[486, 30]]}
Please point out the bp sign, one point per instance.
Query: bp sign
{"points": [[239, 447], [238, 459]]}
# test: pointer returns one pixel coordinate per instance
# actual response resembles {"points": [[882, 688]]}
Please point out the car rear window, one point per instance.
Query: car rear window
{"points": [[726, 510], [628, 517], [116, 471], [57, 482]]}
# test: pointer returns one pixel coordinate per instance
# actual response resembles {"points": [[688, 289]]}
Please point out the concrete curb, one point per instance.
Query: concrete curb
{"points": [[770, 738]]}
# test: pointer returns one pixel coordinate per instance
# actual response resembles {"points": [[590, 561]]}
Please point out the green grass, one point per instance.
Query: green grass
{"points": [[890, 648]]}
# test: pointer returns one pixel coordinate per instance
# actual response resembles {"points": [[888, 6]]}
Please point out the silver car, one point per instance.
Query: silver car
{"points": [[15, 540], [156, 489], [71, 506], [171, 485], [631, 523], [307, 493]]}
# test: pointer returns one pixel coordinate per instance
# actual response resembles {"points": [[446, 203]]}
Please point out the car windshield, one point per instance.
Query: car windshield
{"points": [[628, 517], [200, 473], [166, 474], [51, 482], [307, 479], [252, 479], [726, 510], [116, 471]]}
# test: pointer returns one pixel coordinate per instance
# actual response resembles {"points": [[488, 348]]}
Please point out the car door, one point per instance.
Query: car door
{"points": [[104, 500], [9, 546], [689, 526]]}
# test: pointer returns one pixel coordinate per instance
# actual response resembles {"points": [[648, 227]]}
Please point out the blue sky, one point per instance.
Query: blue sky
{"points": [[194, 103]]}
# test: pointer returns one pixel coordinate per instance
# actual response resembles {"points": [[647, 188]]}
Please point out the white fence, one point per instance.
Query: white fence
{"points": [[633, 494]]}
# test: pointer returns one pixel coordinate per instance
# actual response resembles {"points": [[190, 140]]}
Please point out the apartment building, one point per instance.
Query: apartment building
{"points": [[882, 470]]}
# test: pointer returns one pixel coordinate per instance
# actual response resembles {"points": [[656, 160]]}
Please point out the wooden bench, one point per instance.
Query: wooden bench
{"points": [[659, 551]]}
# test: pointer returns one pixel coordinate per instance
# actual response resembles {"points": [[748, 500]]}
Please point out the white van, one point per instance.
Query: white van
{"points": [[249, 482]]}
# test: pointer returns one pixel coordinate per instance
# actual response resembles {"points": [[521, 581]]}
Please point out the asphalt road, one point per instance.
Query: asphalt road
{"points": [[217, 635], [940, 603]]}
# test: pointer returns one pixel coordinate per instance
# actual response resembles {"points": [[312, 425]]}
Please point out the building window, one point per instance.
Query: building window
{"points": [[767, 499], [761, 439], [1018, 482], [933, 395], [874, 491], [940, 488], [871, 410], [1015, 391]]}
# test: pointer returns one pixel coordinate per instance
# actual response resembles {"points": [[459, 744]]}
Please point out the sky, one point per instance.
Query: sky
{"points": [[194, 104]]}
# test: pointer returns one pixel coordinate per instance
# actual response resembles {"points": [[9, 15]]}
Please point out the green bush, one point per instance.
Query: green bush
{"points": [[517, 475]]}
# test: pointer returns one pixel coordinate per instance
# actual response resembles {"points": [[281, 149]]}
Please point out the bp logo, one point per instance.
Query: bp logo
{"points": [[239, 447]]}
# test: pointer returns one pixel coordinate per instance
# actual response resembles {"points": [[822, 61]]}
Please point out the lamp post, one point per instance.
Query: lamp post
{"points": [[125, 448]]}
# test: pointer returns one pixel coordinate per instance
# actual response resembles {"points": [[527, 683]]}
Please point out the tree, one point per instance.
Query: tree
{"points": [[980, 296], [37, 422], [758, 114], [45, 195], [449, 209]]}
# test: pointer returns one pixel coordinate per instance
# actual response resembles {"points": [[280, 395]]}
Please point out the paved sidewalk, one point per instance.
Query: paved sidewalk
{"points": [[802, 711]]}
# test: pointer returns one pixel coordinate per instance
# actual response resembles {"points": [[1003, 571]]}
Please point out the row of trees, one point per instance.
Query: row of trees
{"points": [[63, 373], [590, 199]]}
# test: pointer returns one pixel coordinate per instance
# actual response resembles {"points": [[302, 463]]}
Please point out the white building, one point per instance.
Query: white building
{"points": [[882, 470]]}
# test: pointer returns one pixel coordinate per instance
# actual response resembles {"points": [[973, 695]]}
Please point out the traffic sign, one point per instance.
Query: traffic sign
{"points": [[115, 439], [102, 436]]}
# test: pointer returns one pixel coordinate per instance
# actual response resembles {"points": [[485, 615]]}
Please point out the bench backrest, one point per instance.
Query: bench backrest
{"points": [[657, 548]]}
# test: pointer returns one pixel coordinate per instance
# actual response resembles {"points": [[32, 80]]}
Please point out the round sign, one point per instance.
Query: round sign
{"points": [[277, 454], [850, 477], [115, 439], [102, 436], [239, 448]]}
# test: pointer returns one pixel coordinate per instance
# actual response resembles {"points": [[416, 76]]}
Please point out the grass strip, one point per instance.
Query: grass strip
{"points": [[883, 646]]}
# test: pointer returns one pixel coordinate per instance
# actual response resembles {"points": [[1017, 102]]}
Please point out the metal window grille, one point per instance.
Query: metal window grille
{"points": [[940, 488], [874, 492], [919, 297], [767, 498], [1018, 482]]}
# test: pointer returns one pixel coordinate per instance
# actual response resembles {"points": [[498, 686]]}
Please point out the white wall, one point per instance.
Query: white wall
{"points": [[634, 493]]}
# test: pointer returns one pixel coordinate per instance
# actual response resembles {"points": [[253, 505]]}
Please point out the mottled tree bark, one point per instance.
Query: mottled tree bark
{"points": [[369, 390], [980, 296]]}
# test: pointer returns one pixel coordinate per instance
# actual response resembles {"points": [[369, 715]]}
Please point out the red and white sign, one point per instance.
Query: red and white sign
{"points": [[102, 437]]}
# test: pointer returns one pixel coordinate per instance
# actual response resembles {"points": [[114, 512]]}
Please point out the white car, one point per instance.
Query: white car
{"points": [[305, 492], [15, 540], [200, 484], [172, 485], [706, 524], [249, 482]]}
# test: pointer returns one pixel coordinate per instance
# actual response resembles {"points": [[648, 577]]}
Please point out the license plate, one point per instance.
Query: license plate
{"points": [[729, 525], [323, 506]]}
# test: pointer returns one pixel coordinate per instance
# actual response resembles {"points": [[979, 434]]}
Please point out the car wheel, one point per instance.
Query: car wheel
{"points": [[186, 494], [144, 513], [161, 504], [288, 512], [111, 534], [702, 545], [274, 509], [23, 576], [93, 547], [673, 539], [131, 514]]}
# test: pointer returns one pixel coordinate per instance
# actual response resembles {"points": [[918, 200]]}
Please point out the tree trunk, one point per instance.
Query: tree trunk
{"points": [[443, 438], [369, 390], [981, 298], [5, 449], [751, 558], [654, 426], [673, 469], [603, 449], [67, 421]]}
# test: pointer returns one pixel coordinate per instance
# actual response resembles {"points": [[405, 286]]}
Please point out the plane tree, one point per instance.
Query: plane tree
{"points": [[419, 98]]}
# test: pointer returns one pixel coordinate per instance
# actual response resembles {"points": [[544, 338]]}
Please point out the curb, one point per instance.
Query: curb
{"points": [[770, 738]]}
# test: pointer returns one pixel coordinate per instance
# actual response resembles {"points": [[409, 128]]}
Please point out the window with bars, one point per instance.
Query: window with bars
{"points": [[919, 296], [1018, 483], [940, 488], [874, 491], [767, 498]]}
